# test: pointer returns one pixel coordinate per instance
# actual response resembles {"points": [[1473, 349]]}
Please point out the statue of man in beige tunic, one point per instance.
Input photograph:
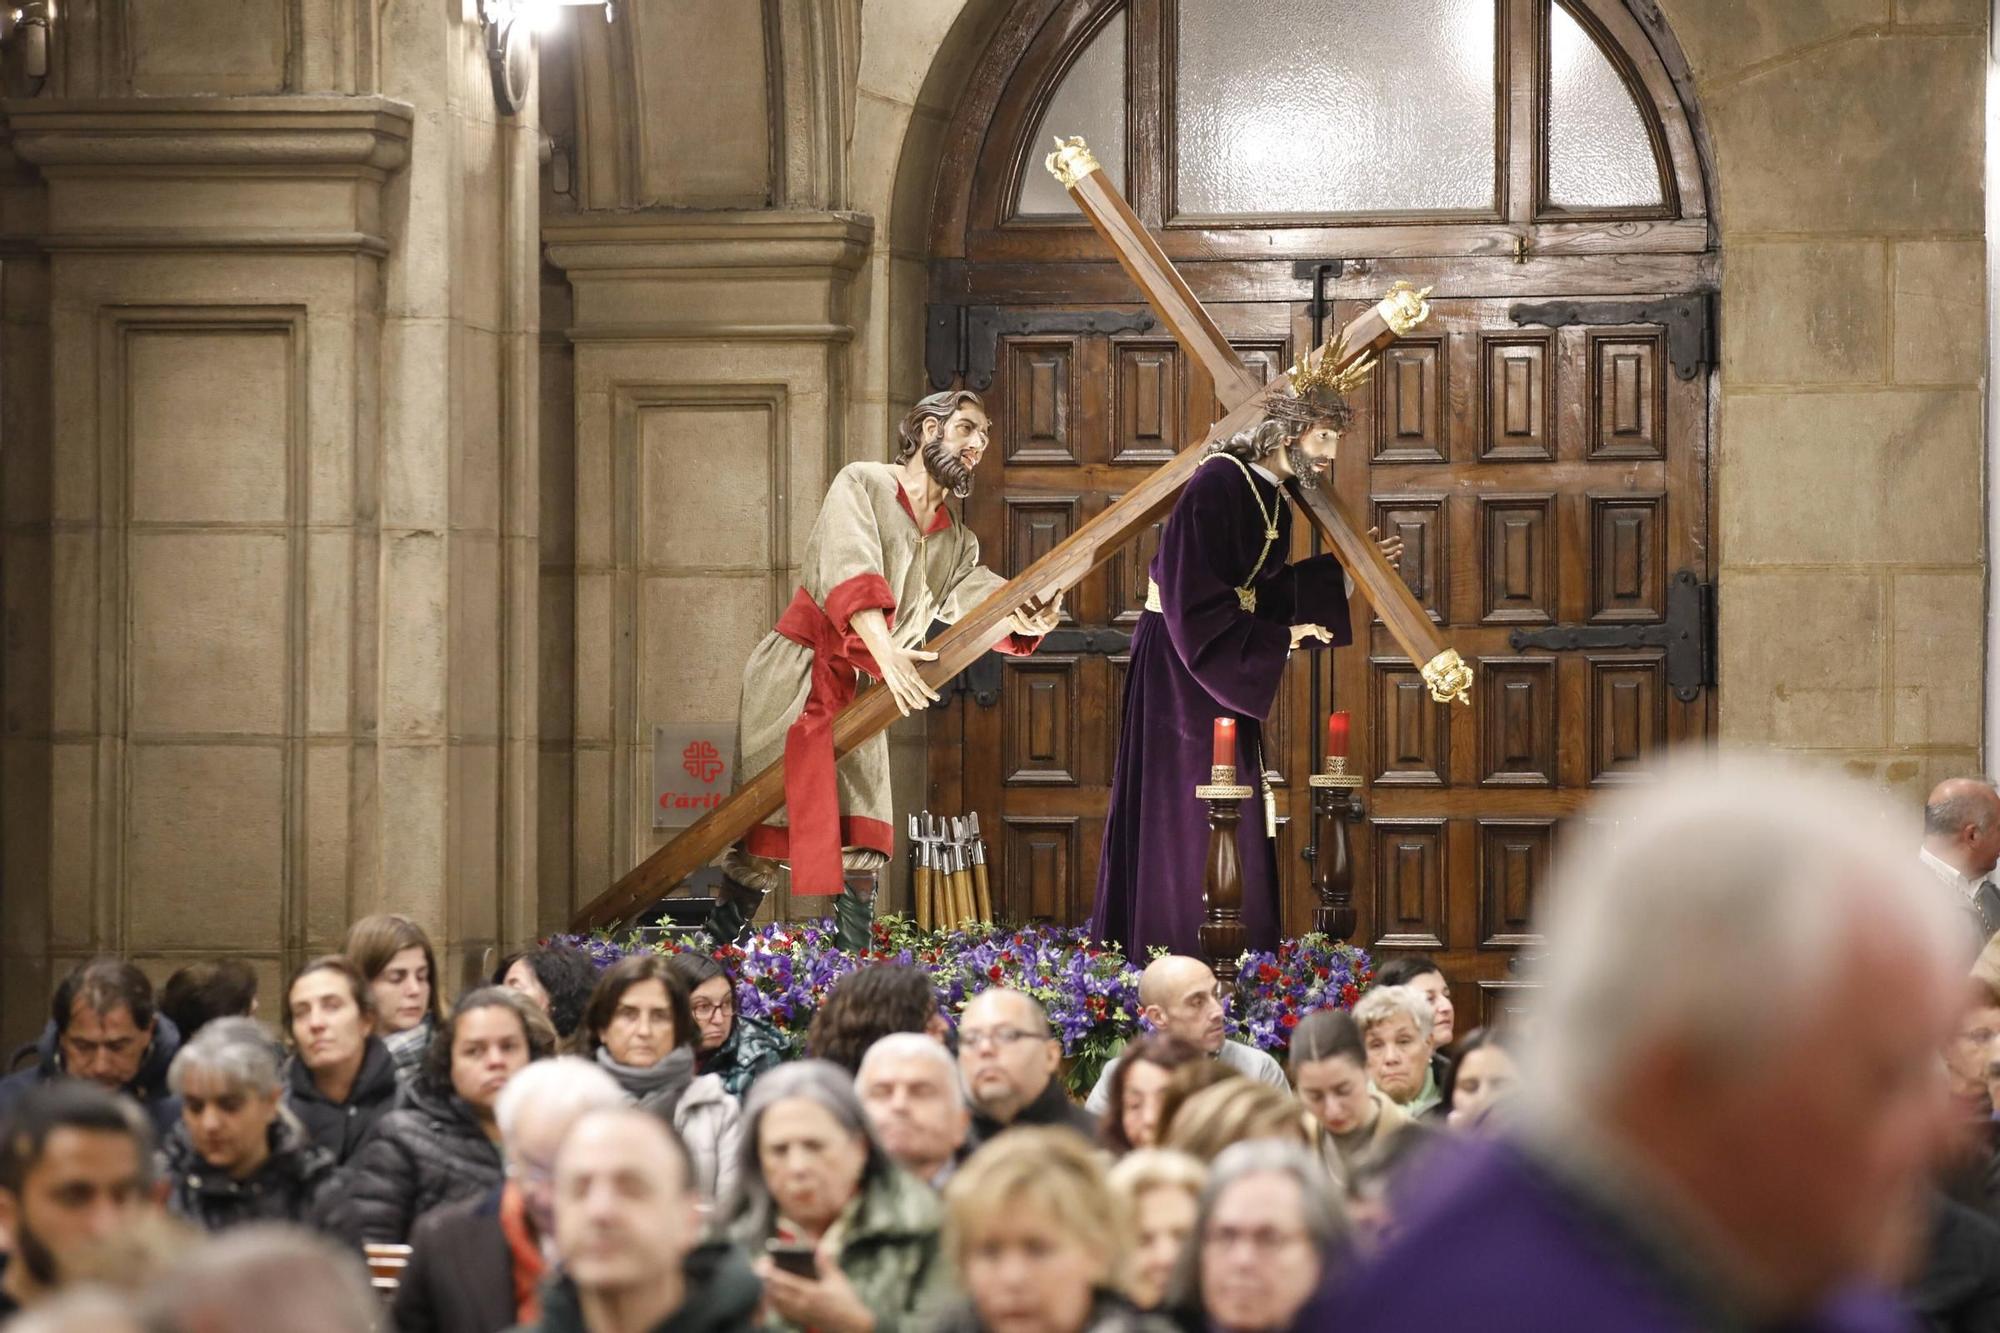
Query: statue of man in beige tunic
{"points": [[886, 558]]}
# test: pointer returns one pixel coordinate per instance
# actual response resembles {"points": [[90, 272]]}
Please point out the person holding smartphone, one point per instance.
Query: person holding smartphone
{"points": [[846, 1241]]}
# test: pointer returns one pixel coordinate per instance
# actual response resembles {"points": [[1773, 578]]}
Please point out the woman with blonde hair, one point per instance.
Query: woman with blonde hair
{"points": [[1235, 1111], [1159, 1190], [1038, 1239], [395, 956]]}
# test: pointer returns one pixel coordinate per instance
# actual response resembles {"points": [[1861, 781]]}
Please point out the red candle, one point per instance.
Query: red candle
{"points": [[1336, 734], [1225, 742]]}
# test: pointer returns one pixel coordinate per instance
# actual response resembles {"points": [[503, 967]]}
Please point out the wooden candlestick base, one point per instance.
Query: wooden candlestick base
{"points": [[1336, 804], [1223, 937]]}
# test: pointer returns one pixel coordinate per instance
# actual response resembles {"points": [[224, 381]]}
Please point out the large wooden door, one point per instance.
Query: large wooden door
{"points": [[1030, 743], [1551, 486]]}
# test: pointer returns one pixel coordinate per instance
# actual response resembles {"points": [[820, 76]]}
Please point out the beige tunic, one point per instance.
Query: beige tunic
{"points": [[866, 550]]}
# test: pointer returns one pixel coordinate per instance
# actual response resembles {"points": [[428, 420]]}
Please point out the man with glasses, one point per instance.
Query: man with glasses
{"points": [[1008, 1060], [477, 1266], [1180, 997], [885, 559]]}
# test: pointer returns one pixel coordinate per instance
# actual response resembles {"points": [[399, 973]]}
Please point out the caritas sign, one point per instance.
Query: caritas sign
{"points": [[691, 771]]}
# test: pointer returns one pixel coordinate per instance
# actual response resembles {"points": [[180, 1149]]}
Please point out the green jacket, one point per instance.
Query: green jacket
{"points": [[722, 1297], [890, 1251], [752, 1048]]}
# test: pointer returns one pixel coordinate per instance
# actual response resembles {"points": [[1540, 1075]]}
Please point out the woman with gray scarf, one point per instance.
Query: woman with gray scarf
{"points": [[642, 1032]]}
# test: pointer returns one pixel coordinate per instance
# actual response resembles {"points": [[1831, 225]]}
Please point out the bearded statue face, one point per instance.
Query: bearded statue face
{"points": [[952, 448]]}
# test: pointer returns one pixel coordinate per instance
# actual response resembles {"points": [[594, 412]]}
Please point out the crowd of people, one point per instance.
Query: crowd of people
{"points": [[1753, 1090]]}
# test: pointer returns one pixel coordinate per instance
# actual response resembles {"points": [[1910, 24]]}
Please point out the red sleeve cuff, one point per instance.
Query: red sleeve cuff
{"points": [[1017, 645], [863, 592]]}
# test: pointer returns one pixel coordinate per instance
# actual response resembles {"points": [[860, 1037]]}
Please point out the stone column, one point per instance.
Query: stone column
{"points": [[711, 360], [276, 655]]}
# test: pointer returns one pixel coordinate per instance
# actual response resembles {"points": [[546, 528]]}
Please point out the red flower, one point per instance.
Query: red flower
{"points": [[1288, 1021], [1349, 994], [1266, 972], [996, 972]]}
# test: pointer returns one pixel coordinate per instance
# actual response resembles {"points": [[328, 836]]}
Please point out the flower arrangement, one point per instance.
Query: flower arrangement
{"points": [[785, 971]]}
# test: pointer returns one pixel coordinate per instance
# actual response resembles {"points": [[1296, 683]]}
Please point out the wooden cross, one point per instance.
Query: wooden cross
{"points": [[1097, 540]]}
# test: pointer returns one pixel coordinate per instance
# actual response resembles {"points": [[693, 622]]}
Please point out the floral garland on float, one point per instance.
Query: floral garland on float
{"points": [[785, 971]]}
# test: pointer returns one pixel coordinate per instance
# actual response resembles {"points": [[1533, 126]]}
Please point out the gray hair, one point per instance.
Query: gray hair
{"points": [[914, 1046], [1386, 1002], [1324, 1222], [567, 1086], [1717, 913], [233, 1283], [236, 1048], [827, 1086]]}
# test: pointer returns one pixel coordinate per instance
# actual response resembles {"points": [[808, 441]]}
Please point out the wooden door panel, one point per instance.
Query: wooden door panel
{"points": [[1628, 715], [1518, 538], [1148, 404], [1410, 402], [1517, 721], [1039, 412], [1628, 558], [1513, 863], [1042, 729], [1037, 868], [1626, 397], [1419, 520], [1517, 376], [1412, 906]]}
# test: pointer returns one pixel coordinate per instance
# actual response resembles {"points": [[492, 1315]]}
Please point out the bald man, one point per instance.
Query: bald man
{"points": [[1961, 845], [1179, 996]]}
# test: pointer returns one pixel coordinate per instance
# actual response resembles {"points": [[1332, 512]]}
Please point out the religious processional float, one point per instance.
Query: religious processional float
{"points": [[785, 971]]}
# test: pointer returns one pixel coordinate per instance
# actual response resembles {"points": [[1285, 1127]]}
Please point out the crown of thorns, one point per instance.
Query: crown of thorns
{"points": [[1327, 378]]}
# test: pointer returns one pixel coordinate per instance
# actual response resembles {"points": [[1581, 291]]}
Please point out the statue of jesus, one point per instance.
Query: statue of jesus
{"points": [[1224, 611]]}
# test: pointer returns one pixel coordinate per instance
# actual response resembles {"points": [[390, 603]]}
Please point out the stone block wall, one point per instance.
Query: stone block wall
{"points": [[1849, 147]]}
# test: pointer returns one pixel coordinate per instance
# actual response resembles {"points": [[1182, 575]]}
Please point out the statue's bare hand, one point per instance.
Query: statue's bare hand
{"points": [[906, 683], [1031, 622], [1300, 633], [1392, 548]]}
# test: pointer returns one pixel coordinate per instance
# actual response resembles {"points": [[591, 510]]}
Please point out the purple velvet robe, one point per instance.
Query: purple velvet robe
{"points": [[1199, 658], [1487, 1238]]}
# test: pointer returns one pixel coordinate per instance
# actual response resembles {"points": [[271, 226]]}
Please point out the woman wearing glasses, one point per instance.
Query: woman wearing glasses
{"points": [[1264, 1231], [734, 1047]]}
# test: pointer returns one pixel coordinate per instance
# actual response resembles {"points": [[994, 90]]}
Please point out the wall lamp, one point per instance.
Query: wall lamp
{"points": [[509, 26], [24, 42]]}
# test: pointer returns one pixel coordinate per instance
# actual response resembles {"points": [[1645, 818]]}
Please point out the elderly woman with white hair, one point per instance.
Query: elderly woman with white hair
{"points": [[1265, 1227], [238, 1154], [846, 1241], [1396, 1023]]}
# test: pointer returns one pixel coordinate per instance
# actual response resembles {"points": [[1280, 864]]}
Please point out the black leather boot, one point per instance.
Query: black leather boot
{"points": [[735, 905], [854, 919]]}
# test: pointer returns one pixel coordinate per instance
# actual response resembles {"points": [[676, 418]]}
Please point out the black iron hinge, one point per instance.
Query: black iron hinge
{"points": [[961, 342], [1687, 634], [1689, 321]]}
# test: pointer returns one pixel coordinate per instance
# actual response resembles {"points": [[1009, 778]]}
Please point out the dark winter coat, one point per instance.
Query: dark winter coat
{"points": [[1052, 1108], [429, 1151], [285, 1189], [148, 1087], [722, 1296], [752, 1048], [460, 1277], [341, 1127]]}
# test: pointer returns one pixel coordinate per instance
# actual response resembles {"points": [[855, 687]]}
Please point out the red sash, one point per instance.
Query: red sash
{"points": [[812, 796]]}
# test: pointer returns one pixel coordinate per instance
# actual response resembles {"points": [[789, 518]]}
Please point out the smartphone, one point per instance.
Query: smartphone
{"points": [[794, 1257]]}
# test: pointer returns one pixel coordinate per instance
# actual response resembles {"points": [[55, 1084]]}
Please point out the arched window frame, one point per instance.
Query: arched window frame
{"points": [[986, 150]]}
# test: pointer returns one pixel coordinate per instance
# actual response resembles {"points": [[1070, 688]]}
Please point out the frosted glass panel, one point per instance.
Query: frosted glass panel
{"points": [[1334, 106], [1089, 101], [1599, 152]]}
